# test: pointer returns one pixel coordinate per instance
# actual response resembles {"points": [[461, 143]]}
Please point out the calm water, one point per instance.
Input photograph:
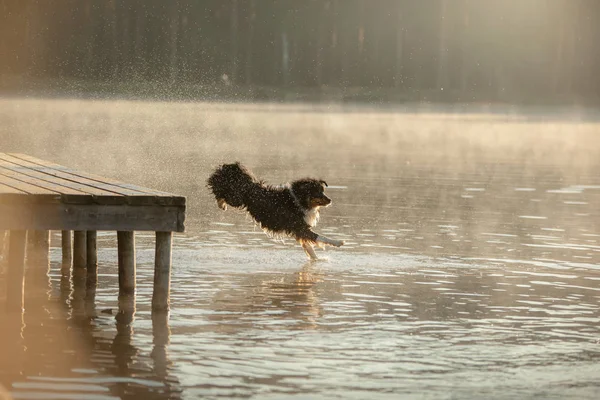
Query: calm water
{"points": [[471, 270]]}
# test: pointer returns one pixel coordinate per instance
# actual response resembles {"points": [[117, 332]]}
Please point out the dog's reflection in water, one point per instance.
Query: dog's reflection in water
{"points": [[289, 300]]}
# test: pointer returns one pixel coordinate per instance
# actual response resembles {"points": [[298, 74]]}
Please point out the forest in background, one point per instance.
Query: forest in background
{"points": [[470, 49]]}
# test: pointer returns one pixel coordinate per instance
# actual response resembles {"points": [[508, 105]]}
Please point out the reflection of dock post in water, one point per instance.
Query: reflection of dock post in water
{"points": [[33, 246], [161, 334], [12, 348], [78, 293], [38, 262], [16, 270], [35, 341], [121, 348], [44, 339]]}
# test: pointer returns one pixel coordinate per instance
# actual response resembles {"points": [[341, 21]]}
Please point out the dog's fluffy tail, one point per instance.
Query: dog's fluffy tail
{"points": [[230, 183]]}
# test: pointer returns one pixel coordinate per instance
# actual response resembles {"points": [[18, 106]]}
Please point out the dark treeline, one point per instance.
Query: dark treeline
{"points": [[480, 48]]}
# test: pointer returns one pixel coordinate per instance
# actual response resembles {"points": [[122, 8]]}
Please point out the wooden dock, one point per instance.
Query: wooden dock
{"points": [[37, 197]]}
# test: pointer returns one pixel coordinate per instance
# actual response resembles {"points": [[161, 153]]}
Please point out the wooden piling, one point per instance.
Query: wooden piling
{"points": [[162, 272], [121, 344], [92, 258], [38, 195], [79, 249], [67, 248], [126, 313], [126, 256], [16, 268], [2, 242], [38, 248]]}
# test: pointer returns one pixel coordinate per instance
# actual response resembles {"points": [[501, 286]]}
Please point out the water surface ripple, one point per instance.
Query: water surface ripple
{"points": [[471, 268]]}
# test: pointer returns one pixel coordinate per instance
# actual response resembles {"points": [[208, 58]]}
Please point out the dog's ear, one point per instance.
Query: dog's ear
{"points": [[322, 182]]}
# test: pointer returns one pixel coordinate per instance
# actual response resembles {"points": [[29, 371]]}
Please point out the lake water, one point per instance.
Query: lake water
{"points": [[471, 268]]}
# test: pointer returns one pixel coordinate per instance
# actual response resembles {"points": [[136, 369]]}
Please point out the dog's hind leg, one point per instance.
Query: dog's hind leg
{"points": [[326, 240], [310, 251]]}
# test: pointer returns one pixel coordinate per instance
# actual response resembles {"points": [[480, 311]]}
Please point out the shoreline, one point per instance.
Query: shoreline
{"points": [[229, 93]]}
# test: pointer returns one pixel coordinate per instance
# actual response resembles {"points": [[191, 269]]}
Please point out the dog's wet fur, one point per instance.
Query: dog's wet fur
{"points": [[291, 209]]}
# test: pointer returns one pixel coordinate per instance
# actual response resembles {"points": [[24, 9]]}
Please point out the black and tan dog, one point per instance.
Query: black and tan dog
{"points": [[291, 209]]}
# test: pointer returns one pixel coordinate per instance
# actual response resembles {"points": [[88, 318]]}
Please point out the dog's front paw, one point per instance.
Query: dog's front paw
{"points": [[337, 243], [222, 204], [331, 242]]}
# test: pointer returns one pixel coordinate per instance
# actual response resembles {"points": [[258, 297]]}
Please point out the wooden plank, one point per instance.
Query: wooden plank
{"points": [[57, 216], [26, 187], [137, 195], [24, 192], [137, 192], [57, 184], [81, 174], [65, 178], [63, 172], [36, 195], [4, 189], [67, 194], [33, 177]]}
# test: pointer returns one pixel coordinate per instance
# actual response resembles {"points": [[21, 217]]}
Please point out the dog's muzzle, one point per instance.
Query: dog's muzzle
{"points": [[321, 201]]}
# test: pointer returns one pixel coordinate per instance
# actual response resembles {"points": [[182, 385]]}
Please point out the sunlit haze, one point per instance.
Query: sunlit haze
{"points": [[460, 144]]}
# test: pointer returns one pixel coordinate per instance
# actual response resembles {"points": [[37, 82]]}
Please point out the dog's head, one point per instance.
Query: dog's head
{"points": [[311, 193]]}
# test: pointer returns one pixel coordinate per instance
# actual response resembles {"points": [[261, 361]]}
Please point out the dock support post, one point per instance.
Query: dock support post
{"points": [[92, 258], [126, 250], [38, 248], [67, 248], [2, 242], [126, 313], [79, 249], [16, 270], [162, 272]]}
